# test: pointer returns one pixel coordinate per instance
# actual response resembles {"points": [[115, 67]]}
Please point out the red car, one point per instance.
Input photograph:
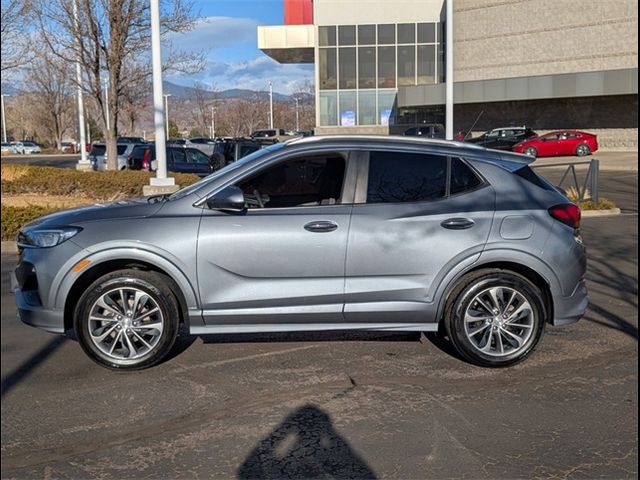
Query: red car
{"points": [[560, 142]]}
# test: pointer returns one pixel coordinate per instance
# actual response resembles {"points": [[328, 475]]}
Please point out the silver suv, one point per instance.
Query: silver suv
{"points": [[333, 233]]}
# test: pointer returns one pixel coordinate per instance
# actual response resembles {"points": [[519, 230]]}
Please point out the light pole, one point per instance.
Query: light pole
{"points": [[83, 163], [160, 183], [213, 121], [166, 112], [4, 124], [270, 105], [449, 72], [297, 117]]}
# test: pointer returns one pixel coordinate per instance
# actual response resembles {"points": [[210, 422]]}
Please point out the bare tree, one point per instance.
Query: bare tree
{"points": [[111, 38], [202, 99], [14, 24], [49, 79]]}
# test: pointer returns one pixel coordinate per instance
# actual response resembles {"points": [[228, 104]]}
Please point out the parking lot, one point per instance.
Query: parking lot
{"points": [[347, 405]]}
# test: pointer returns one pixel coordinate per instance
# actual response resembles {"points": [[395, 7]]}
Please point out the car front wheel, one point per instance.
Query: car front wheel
{"points": [[531, 151], [495, 318], [127, 320]]}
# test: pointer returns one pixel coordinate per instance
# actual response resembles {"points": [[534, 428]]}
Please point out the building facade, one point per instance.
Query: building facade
{"points": [[546, 64]]}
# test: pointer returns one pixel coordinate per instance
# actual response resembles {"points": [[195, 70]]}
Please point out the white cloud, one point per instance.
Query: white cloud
{"points": [[253, 75], [215, 32]]}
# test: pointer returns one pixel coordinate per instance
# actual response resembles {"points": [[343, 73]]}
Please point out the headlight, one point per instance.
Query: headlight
{"points": [[45, 237]]}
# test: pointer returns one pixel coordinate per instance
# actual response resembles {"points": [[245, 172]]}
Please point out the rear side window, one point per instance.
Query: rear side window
{"points": [[122, 149], [463, 178], [530, 176], [398, 177]]}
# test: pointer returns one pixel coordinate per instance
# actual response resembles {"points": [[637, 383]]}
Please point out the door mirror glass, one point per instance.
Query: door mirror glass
{"points": [[229, 199]]}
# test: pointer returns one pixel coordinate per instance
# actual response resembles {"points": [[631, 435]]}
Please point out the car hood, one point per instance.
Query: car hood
{"points": [[130, 208]]}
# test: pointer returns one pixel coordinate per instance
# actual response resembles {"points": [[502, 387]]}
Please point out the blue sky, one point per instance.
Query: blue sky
{"points": [[226, 32]]}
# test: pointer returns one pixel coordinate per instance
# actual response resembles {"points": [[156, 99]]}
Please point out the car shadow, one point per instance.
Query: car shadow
{"points": [[304, 445]]}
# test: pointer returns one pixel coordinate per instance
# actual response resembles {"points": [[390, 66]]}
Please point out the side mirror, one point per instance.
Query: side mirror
{"points": [[229, 199]]}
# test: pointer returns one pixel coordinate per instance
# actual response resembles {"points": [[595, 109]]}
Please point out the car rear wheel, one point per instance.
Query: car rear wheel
{"points": [[531, 151], [127, 320], [583, 150], [495, 318]]}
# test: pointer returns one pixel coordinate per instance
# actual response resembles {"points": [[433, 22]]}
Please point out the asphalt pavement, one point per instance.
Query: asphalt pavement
{"points": [[332, 405]]}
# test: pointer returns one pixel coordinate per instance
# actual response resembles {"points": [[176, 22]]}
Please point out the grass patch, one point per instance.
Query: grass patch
{"points": [[29, 192], [602, 204], [94, 186]]}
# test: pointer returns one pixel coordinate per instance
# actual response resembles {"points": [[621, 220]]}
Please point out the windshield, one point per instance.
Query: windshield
{"points": [[223, 171]]}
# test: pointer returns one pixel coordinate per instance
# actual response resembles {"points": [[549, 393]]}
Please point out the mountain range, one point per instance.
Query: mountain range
{"points": [[182, 91]]}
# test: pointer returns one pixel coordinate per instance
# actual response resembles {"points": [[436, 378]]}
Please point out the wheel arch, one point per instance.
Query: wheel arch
{"points": [[526, 271], [73, 292]]}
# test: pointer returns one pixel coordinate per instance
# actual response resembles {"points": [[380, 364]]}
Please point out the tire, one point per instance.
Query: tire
{"points": [[494, 342], [531, 151], [583, 150], [120, 340]]}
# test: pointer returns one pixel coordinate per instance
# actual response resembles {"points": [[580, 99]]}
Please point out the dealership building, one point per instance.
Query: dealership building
{"points": [[547, 64]]}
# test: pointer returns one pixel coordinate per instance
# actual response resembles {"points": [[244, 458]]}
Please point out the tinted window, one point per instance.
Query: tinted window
{"points": [[98, 150], [122, 149], [462, 177], [302, 181], [406, 177], [179, 156], [244, 150], [196, 156]]}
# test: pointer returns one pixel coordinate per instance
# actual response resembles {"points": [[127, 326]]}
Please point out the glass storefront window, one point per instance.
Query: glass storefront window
{"points": [[328, 70], [386, 67], [386, 34], [406, 33], [366, 34], [406, 65], [327, 36], [426, 33], [328, 109], [347, 67], [348, 108], [426, 64], [347, 35], [367, 107], [366, 67], [386, 103]]}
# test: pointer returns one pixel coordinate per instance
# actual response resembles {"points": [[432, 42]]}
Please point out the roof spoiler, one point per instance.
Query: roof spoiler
{"points": [[509, 161]]}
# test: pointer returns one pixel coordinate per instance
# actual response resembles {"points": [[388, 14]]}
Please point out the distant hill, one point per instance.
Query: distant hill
{"points": [[8, 89], [182, 91]]}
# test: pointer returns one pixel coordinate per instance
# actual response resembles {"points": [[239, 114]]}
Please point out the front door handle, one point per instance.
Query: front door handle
{"points": [[320, 226], [458, 223]]}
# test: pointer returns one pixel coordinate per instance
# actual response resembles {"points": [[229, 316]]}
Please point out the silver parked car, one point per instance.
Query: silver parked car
{"points": [[318, 233]]}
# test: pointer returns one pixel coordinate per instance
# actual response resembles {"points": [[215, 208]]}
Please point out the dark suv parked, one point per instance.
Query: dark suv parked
{"points": [[503, 138], [180, 160], [229, 150]]}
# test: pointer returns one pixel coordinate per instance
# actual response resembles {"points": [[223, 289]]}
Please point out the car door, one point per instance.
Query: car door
{"points": [[408, 228], [283, 259], [179, 161], [199, 162]]}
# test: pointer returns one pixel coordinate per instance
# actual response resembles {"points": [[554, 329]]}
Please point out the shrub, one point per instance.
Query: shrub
{"points": [[14, 218], [602, 204], [101, 186]]}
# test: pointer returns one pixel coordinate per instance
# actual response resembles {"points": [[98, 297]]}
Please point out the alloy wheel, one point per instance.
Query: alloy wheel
{"points": [[499, 321], [125, 324]]}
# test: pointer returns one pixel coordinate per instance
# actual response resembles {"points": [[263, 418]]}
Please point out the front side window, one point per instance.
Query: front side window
{"points": [[298, 182], [400, 177], [197, 157]]}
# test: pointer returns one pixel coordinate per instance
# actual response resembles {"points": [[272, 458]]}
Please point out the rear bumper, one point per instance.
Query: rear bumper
{"points": [[572, 308], [36, 315]]}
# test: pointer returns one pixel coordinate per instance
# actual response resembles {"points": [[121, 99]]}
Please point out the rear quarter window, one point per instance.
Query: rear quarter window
{"points": [[531, 176]]}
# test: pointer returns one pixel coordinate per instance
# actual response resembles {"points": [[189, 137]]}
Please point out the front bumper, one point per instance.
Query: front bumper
{"points": [[31, 313], [572, 308]]}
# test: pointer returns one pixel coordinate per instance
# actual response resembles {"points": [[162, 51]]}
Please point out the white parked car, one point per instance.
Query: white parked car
{"points": [[8, 149], [26, 147]]}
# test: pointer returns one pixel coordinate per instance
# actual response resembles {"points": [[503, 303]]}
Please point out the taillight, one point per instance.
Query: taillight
{"points": [[145, 160], [567, 213]]}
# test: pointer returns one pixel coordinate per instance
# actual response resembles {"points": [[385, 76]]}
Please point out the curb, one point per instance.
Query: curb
{"points": [[599, 213], [9, 247]]}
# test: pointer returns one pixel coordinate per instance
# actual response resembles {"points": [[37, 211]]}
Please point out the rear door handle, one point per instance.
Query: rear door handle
{"points": [[458, 223], [319, 226]]}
